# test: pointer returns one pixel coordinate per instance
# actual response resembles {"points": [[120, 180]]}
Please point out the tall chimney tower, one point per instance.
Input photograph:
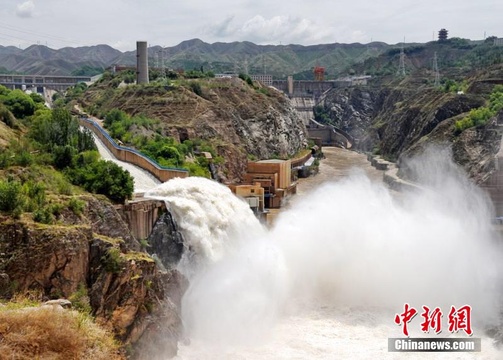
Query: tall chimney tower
{"points": [[141, 62]]}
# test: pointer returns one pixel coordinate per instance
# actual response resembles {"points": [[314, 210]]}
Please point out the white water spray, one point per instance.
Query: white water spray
{"points": [[326, 281], [211, 219]]}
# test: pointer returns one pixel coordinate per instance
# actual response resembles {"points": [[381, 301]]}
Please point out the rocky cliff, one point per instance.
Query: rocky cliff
{"points": [[400, 118], [95, 262]]}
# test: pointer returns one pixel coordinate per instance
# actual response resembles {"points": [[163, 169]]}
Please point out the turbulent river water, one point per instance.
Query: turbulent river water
{"points": [[342, 259]]}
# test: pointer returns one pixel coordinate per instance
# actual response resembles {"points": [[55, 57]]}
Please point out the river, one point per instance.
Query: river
{"points": [[340, 262]]}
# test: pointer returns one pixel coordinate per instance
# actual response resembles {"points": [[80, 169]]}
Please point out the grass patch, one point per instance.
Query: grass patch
{"points": [[44, 333], [140, 256]]}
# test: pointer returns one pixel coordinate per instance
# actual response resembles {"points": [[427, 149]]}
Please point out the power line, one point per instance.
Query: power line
{"points": [[37, 34]]}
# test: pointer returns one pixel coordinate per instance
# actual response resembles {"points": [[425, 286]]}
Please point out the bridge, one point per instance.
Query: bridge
{"points": [[39, 82]]}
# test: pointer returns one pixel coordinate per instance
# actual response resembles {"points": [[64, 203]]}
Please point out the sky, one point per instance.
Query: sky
{"points": [[120, 23]]}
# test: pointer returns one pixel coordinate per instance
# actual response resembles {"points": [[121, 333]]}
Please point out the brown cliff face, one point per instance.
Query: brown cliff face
{"points": [[51, 260], [237, 118], [416, 116], [474, 149], [401, 118], [124, 288]]}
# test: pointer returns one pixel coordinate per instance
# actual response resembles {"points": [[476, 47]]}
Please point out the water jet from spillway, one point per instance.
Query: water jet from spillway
{"points": [[341, 261]]}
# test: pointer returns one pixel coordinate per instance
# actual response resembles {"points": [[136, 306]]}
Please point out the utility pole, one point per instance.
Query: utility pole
{"points": [[435, 69], [401, 66]]}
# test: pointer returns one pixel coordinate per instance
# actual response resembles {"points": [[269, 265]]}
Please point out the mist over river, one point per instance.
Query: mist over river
{"points": [[342, 259]]}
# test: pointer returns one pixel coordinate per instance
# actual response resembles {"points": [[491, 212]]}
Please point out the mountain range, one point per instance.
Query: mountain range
{"points": [[278, 60], [376, 58]]}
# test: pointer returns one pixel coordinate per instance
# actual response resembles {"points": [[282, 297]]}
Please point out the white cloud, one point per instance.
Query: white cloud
{"points": [[25, 10], [284, 29], [264, 22], [123, 45]]}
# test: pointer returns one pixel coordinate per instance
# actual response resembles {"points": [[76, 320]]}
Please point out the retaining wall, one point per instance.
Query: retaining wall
{"points": [[132, 156]]}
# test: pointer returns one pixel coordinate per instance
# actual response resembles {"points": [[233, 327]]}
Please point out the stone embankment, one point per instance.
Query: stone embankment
{"points": [[390, 175]]}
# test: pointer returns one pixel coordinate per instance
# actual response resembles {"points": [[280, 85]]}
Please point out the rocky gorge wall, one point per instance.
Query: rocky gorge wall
{"points": [[94, 261], [400, 120]]}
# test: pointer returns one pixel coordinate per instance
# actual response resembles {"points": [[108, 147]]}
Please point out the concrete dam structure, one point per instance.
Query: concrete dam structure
{"points": [[329, 135], [141, 215]]}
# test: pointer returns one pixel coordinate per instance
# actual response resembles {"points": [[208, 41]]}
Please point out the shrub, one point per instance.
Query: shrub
{"points": [[43, 215], [12, 199], [77, 206], [480, 116], [114, 115], [246, 78], [171, 152], [113, 260], [23, 158], [35, 192], [80, 300], [197, 170], [196, 88]]}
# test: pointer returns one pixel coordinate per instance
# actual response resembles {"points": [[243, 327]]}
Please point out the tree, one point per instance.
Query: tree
{"points": [[37, 98], [57, 127], [104, 177], [442, 34], [20, 104]]}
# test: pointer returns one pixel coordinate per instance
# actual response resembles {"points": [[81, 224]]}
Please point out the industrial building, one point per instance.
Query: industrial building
{"points": [[266, 184]]}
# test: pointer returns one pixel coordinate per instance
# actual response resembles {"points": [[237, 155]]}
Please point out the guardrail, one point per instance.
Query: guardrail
{"points": [[131, 155]]}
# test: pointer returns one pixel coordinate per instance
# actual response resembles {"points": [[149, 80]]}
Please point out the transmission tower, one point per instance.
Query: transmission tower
{"points": [[245, 66], [401, 66], [163, 71], [435, 69]]}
